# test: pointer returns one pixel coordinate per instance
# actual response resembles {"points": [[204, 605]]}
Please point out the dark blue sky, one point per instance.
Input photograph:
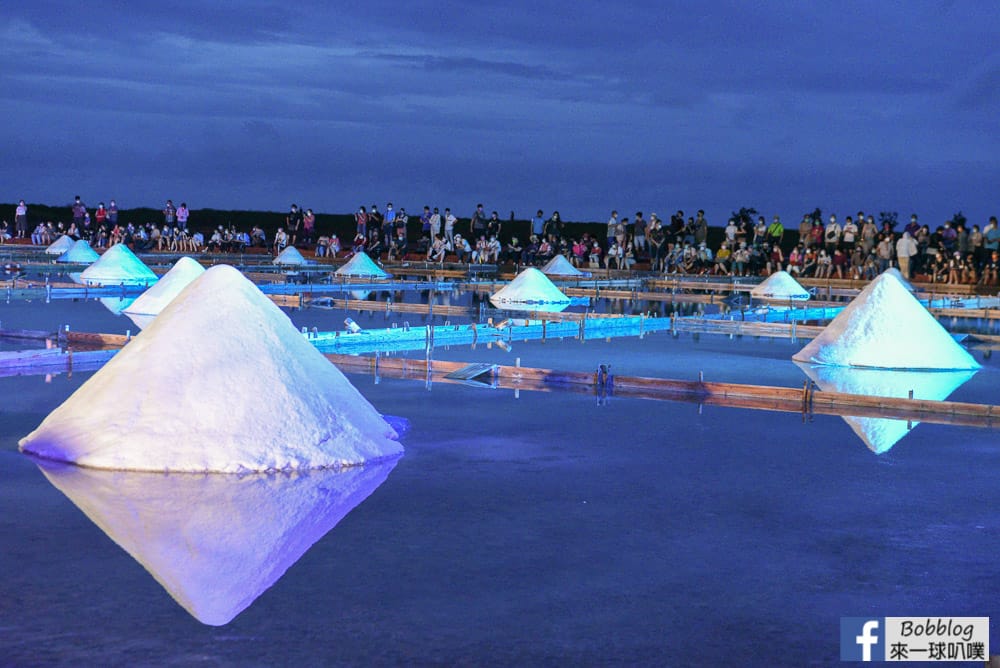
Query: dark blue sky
{"points": [[583, 107]]}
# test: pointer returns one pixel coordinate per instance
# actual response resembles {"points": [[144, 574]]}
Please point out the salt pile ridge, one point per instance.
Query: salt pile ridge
{"points": [[118, 265], [529, 288], [216, 542], [885, 327], [149, 304], [361, 265], [880, 434], [60, 245], [780, 286], [899, 276], [221, 381], [80, 253], [291, 257], [560, 266]]}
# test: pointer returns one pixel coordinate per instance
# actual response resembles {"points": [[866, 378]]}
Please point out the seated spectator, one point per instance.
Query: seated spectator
{"points": [[333, 246], [436, 252], [462, 248], [321, 245], [280, 241], [258, 237], [595, 255], [513, 251]]}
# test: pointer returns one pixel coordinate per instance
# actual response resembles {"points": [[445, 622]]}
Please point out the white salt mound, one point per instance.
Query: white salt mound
{"points": [[899, 276], [780, 286], [216, 542], [80, 253], [560, 266], [149, 304], [221, 381], [361, 265], [291, 257], [885, 327], [118, 265], [117, 305], [529, 287], [60, 245], [880, 434]]}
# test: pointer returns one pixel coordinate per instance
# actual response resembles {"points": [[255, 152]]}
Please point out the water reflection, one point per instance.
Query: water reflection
{"points": [[216, 542], [117, 304], [880, 434]]}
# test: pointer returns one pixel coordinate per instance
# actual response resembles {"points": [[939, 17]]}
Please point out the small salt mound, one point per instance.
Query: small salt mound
{"points": [[118, 265], [560, 266], [361, 265], [80, 253], [530, 287], [291, 257], [885, 327], [780, 286], [221, 381], [880, 434], [60, 245], [149, 304], [216, 542]]}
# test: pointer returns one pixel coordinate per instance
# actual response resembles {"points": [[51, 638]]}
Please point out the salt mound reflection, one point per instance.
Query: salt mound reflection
{"points": [[216, 542], [880, 434]]}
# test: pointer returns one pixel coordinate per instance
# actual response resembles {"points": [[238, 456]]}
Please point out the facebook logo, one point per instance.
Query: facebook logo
{"points": [[862, 639]]}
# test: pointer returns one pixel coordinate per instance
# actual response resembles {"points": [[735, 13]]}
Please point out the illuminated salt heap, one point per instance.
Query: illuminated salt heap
{"points": [[291, 257], [118, 265], [899, 276], [530, 289], [80, 253], [880, 434], [60, 245], [560, 266], [361, 265], [117, 305], [216, 542], [221, 381], [885, 327], [149, 304], [780, 286]]}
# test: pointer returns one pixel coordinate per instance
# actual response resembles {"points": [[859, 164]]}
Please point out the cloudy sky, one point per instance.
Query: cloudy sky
{"points": [[582, 107]]}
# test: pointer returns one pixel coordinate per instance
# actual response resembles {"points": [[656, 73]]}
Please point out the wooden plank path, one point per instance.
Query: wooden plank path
{"points": [[806, 400]]}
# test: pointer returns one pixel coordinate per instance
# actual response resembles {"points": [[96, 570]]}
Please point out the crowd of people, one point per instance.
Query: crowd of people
{"points": [[954, 252]]}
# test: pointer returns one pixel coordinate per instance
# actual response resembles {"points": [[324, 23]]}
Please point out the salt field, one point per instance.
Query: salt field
{"points": [[565, 526]]}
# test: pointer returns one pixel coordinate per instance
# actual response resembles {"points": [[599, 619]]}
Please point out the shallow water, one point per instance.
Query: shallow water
{"points": [[553, 527]]}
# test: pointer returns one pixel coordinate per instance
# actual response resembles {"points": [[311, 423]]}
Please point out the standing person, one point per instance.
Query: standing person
{"points": [[553, 227], [850, 234], [21, 220], [493, 225], [906, 248], [612, 227], [389, 218], [639, 225], [170, 214], [425, 222], [869, 233], [884, 252], [449, 226], [308, 226], [79, 210], [538, 224], [112, 213], [182, 216], [293, 223], [361, 220], [775, 232], [700, 228], [477, 224], [832, 235], [805, 231], [435, 224], [101, 214]]}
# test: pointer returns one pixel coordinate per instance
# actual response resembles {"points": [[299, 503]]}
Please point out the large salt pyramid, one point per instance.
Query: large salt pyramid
{"points": [[221, 381], [899, 276], [216, 542], [291, 257], [361, 265], [149, 304], [780, 286], [118, 265], [80, 253], [60, 245], [560, 266], [886, 327], [880, 434], [530, 289]]}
